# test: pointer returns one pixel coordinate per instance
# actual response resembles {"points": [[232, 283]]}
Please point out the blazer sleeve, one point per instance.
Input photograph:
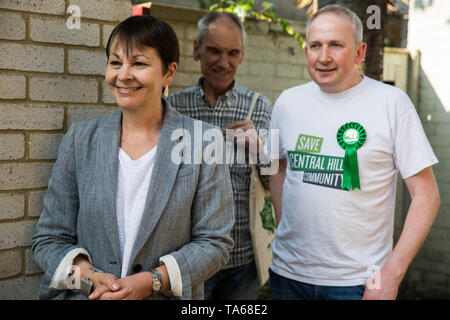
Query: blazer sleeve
{"points": [[212, 220], [55, 233]]}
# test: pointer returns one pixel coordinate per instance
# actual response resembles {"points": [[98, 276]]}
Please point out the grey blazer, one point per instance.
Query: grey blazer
{"points": [[188, 214]]}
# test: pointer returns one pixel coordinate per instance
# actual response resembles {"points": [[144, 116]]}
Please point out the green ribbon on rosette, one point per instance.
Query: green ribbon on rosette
{"points": [[351, 136]]}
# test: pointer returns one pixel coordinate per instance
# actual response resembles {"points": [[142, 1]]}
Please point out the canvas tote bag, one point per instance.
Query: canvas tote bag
{"points": [[261, 237]]}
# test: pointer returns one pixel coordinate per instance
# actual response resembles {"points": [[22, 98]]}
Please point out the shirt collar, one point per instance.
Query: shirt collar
{"points": [[229, 97]]}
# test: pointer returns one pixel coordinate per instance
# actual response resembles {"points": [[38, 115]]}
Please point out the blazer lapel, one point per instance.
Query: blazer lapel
{"points": [[162, 180], [108, 150]]}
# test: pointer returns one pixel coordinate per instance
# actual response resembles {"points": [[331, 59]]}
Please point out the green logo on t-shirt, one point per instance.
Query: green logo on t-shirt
{"points": [[308, 144], [321, 170], [302, 161]]}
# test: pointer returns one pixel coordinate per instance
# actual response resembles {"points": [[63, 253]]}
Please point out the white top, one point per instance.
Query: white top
{"points": [[134, 178], [132, 185], [329, 236]]}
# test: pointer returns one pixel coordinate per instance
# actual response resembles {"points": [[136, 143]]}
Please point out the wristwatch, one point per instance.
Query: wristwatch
{"points": [[85, 287], [157, 281], [86, 283]]}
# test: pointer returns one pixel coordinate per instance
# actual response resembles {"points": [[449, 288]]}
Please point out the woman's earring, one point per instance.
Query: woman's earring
{"points": [[166, 91]]}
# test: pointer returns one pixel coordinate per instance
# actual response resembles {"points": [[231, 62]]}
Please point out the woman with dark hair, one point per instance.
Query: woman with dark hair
{"points": [[121, 218]]}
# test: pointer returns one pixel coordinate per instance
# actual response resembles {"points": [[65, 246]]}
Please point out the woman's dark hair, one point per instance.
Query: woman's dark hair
{"points": [[146, 31]]}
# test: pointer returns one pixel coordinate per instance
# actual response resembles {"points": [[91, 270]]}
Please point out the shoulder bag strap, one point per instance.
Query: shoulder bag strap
{"points": [[252, 105]]}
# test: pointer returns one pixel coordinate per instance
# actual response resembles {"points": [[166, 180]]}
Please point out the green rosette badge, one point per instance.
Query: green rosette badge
{"points": [[351, 136]]}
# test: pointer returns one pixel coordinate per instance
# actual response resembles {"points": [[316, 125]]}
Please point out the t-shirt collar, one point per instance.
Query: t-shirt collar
{"points": [[345, 92]]}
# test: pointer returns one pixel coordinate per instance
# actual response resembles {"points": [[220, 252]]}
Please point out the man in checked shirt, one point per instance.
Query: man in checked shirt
{"points": [[219, 100]]}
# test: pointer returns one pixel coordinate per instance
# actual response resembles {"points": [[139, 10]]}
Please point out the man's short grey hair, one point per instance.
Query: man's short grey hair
{"points": [[341, 11], [212, 16]]}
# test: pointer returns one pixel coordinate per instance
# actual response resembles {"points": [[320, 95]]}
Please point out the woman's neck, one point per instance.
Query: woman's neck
{"points": [[141, 130], [143, 119]]}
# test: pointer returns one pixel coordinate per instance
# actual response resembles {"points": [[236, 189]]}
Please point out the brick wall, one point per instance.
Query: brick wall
{"points": [[51, 76]]}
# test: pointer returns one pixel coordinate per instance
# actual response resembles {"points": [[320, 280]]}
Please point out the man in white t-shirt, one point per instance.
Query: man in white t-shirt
{"points": [[343, 138]]}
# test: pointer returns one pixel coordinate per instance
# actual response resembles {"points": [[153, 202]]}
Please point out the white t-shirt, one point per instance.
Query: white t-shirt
{"points": [[133, 182], [329, 236]]}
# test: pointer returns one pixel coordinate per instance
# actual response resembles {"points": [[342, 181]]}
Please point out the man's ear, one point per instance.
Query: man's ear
{"points": [[242, 55], [195, 52], [361, 53]]}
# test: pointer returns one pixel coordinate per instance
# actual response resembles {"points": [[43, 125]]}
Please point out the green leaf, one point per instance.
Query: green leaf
{"points": [[283, 22], [268, 16], [241, 10], [289, 30], [300, 40], [269, 5]]}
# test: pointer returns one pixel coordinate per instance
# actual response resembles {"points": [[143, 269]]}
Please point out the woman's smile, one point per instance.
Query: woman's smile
{"points": [[127, 91]]}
